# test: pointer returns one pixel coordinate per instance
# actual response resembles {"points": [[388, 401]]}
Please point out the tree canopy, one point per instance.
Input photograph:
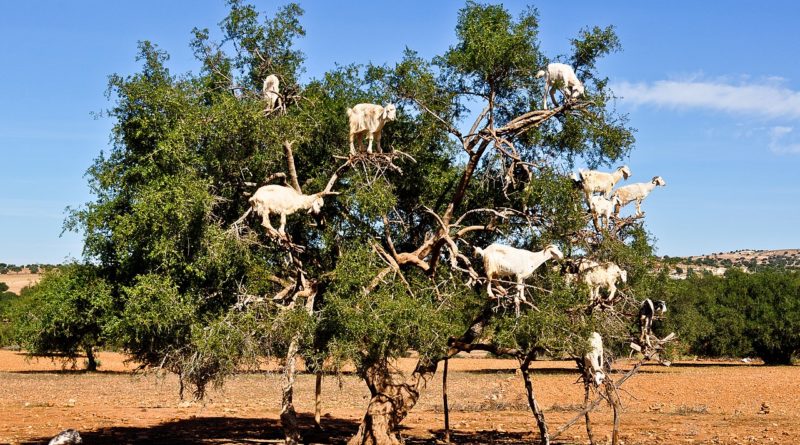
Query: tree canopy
{"points": [[65, 313], [388, 264]]}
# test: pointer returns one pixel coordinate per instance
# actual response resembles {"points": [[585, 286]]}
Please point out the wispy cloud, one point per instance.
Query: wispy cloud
{"points": [[780, 141], [767, 98]]}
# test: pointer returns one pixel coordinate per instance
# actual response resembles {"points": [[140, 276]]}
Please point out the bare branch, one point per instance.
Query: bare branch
{"points": [[488, 227], [241, 218], [275, 176], [392, 263], [467, 141], [534, 118], [451, 129], [388, 234], [287, 149], [500, 214], [494, 349]]}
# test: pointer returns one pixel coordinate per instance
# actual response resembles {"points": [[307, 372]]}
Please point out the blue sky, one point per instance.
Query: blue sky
{"points": [[714, 95]]}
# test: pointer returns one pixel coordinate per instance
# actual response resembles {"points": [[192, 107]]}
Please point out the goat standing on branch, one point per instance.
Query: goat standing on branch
{"points": [[596, 181], [368, 120], [647, 312], [271, 92], [636, 192], [282, 200], [593, 360], [604, 276], [504, 261], [560, 76], [602, 209]]}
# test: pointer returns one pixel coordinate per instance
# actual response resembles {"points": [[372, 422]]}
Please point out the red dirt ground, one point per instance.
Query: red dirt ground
{"points": [[691, 402]]}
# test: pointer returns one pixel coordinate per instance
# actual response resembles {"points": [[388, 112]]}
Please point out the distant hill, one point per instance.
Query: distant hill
{"points": [[746, 259]]}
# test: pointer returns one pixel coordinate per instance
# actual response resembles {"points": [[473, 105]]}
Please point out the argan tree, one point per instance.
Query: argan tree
{"points": [[200, 288], [64, 314]]}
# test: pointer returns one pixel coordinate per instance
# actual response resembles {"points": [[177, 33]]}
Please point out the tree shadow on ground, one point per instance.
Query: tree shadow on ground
{"points": [[480, 437], [547, 371], [216, 430], [70, 372], [715, 365], [237, 430]]}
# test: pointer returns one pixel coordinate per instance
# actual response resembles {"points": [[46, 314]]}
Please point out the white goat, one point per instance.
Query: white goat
{"points": [[67, 437], [368, 120], [283, 200], [593, 360], [271, 92], [596, 181], [605, 275], [504, 261], [636, 192], [602, 208], [572, 269], [559, 75]]}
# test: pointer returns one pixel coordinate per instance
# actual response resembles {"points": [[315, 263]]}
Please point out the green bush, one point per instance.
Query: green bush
{"points": [[64, 314], [738, 315], [7, 302]]}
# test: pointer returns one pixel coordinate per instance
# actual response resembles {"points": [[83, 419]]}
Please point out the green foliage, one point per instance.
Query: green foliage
{"points": [[593, 44], [64, 313], [189, 293], [738, 315], [391, 320], [493, 49], [8, 300]]}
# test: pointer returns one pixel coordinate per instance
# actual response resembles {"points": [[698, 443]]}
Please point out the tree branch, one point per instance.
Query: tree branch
{"points": [[287, 149], [451, 129], [494, 349]]}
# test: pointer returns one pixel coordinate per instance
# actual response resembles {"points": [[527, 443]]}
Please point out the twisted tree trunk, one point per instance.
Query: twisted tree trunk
{"points": [[391, 401]]}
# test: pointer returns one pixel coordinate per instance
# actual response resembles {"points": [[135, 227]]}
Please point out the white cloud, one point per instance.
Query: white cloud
{"points": [[778, 142], [779, 131], [767, 98]]}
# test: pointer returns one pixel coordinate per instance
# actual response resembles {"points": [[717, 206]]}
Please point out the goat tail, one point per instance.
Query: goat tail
{"points": [[479, 251], [540, 73], [349, 112]]}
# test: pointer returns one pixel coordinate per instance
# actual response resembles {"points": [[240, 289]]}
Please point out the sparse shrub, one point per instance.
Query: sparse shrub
{"points": [[687, 410]]}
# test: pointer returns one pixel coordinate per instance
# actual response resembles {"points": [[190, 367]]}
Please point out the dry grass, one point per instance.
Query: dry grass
{"points": [[686, 410], [16, 281]]}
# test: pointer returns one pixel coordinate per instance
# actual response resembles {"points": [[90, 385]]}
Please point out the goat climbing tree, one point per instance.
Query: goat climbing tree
{"points": [[387, 266]]}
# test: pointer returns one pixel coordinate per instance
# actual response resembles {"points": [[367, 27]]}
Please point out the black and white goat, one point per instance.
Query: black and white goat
{"points": [[647, 312]]}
